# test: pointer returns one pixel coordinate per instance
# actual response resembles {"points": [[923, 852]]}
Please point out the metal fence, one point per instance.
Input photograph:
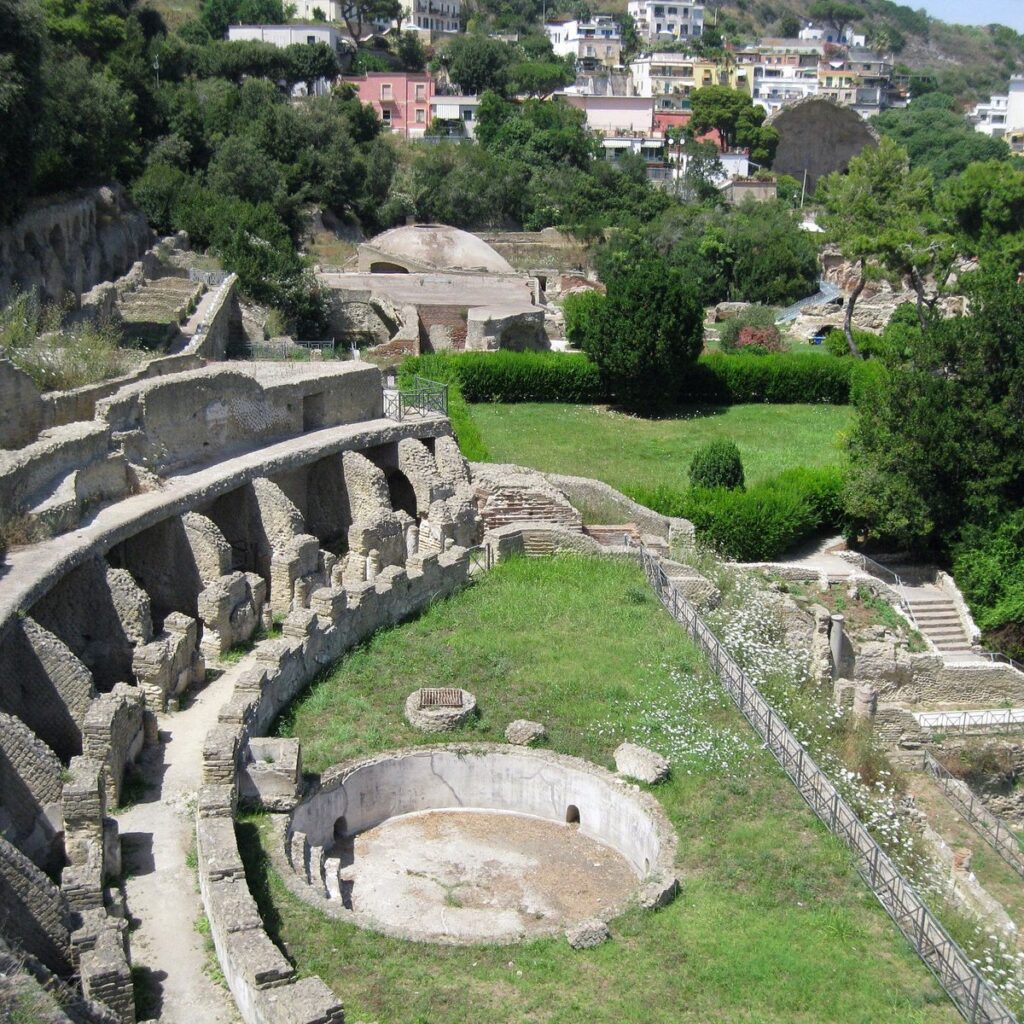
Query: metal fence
{"points": [[973, 996], [989, 826], [996, 720], [212, 278], [422, 399], [873, 568]]}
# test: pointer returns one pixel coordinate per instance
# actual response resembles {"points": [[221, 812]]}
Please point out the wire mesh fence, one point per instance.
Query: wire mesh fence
{"points": [[973, 996]]}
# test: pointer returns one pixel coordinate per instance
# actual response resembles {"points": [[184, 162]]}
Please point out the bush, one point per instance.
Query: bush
{"points": [[581, 311], [785, 378], [514, 376], [753, 328], [870, 346], [760, 524], [716, 379], [988, 566], [717, 464]]}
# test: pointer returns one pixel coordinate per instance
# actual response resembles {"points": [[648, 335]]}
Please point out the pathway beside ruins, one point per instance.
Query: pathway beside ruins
{"points": [[163, 895]]}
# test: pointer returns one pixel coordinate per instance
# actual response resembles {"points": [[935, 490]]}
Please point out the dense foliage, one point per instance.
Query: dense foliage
{"points": [[763, 522], [752, 330], [937, 137], [715, 379], [717, 464], [939, 440]]}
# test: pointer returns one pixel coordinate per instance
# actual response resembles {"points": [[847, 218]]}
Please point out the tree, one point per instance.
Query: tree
{"points": [[737, 120], [411, 52], [649, 332], [986, 207], [939, 438], [357, 14], [841, 15], [305, 63], [534, 78], [22, 39], [477, 63], [878, 215], [937, 137]]}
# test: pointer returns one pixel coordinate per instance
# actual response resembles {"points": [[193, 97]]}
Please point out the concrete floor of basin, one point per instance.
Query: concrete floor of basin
{"points": [[468, 876]]}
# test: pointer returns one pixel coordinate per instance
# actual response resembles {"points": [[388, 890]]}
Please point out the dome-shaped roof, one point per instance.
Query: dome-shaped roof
{"points": [[438, 247]]}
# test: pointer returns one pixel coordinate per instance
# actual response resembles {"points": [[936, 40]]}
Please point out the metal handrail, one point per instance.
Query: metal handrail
{"points": [[988, 825], [970, 992], [874, 568], [424, 397]]}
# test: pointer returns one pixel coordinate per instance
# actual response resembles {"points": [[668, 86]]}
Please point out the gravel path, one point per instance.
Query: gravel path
{"points": [[168, 953]]}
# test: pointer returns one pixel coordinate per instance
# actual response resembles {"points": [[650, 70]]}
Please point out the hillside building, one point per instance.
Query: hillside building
{"points": [[400, 98], [1002, 117], [596, 42], [671, 78], [657, 21]]}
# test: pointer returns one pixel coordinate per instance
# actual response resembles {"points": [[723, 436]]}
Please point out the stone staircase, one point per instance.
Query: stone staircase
{"points": [[938, 619]]}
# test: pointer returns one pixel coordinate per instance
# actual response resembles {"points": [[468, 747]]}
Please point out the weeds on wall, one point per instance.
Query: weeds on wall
{"points": [[57, 356]]}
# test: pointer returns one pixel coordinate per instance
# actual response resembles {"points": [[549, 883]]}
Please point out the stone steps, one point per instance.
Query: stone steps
{"points": [[938, 619]]}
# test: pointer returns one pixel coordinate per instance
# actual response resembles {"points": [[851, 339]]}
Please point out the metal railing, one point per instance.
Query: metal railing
{"points": [[424, 398], [873, 568], [989, 826], [972, 995], [995, 720], [481, 558], [212, 278], [995, 656]]}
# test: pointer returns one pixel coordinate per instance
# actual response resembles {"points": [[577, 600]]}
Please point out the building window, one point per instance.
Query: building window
{"points": [[421, 116], [385, 91], [385, 116], [421, 91], [467, 115], [310, 40]]}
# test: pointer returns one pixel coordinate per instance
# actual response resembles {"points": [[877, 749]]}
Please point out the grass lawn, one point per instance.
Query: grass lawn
{"points": [[772, 924], [627, 451]]}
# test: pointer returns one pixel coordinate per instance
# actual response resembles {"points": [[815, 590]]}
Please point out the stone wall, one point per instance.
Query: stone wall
{"points": [[83, 611], [22, 405], [30, 785], [71, 245], [221, 324], [33, 912], [44, 685]]}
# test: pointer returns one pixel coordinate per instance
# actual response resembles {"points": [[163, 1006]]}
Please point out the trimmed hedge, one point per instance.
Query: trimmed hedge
{"points": [[763, 523], [515, 376], [716, 379]]}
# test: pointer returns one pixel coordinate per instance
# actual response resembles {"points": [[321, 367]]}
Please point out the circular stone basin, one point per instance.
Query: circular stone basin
{"points": [[439, 708], [484, 843]]}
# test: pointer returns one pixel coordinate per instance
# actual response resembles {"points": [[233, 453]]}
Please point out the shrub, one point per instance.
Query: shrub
{"points": [[717, 464], [753, 327], [515, 376], [989, 568], [582, 311], [759, 524], [787, 378], [870, 346]]}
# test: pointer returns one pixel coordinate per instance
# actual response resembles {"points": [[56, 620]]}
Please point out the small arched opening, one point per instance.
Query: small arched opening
{"points": [[383, 267], [340, 829], [572, 815], [403, 497]]}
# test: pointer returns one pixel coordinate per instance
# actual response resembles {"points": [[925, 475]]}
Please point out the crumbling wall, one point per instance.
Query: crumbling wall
{"points": [[420, 469], [171, 662], [73, 245], [23, 408], [327, 503], [83, 611], [113, 735], [33, 913], [45, 685], [30, 785]]}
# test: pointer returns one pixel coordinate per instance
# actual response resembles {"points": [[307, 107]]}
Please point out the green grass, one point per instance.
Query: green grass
{"points": [[629, 452], [772, 924]]}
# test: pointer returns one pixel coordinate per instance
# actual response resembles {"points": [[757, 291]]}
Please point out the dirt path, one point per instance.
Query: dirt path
{"points": [[168, 953]]}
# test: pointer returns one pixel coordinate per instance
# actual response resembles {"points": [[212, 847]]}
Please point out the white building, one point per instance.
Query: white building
{"points": [[436, 17], [657, 21], [1002, 115], [596, 41], [330, 9], [775, 87], [453, 109], [827, 34], [287, 35]]}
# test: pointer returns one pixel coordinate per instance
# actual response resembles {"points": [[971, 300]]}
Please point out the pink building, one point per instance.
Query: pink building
{"points": [[400, 98]]}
